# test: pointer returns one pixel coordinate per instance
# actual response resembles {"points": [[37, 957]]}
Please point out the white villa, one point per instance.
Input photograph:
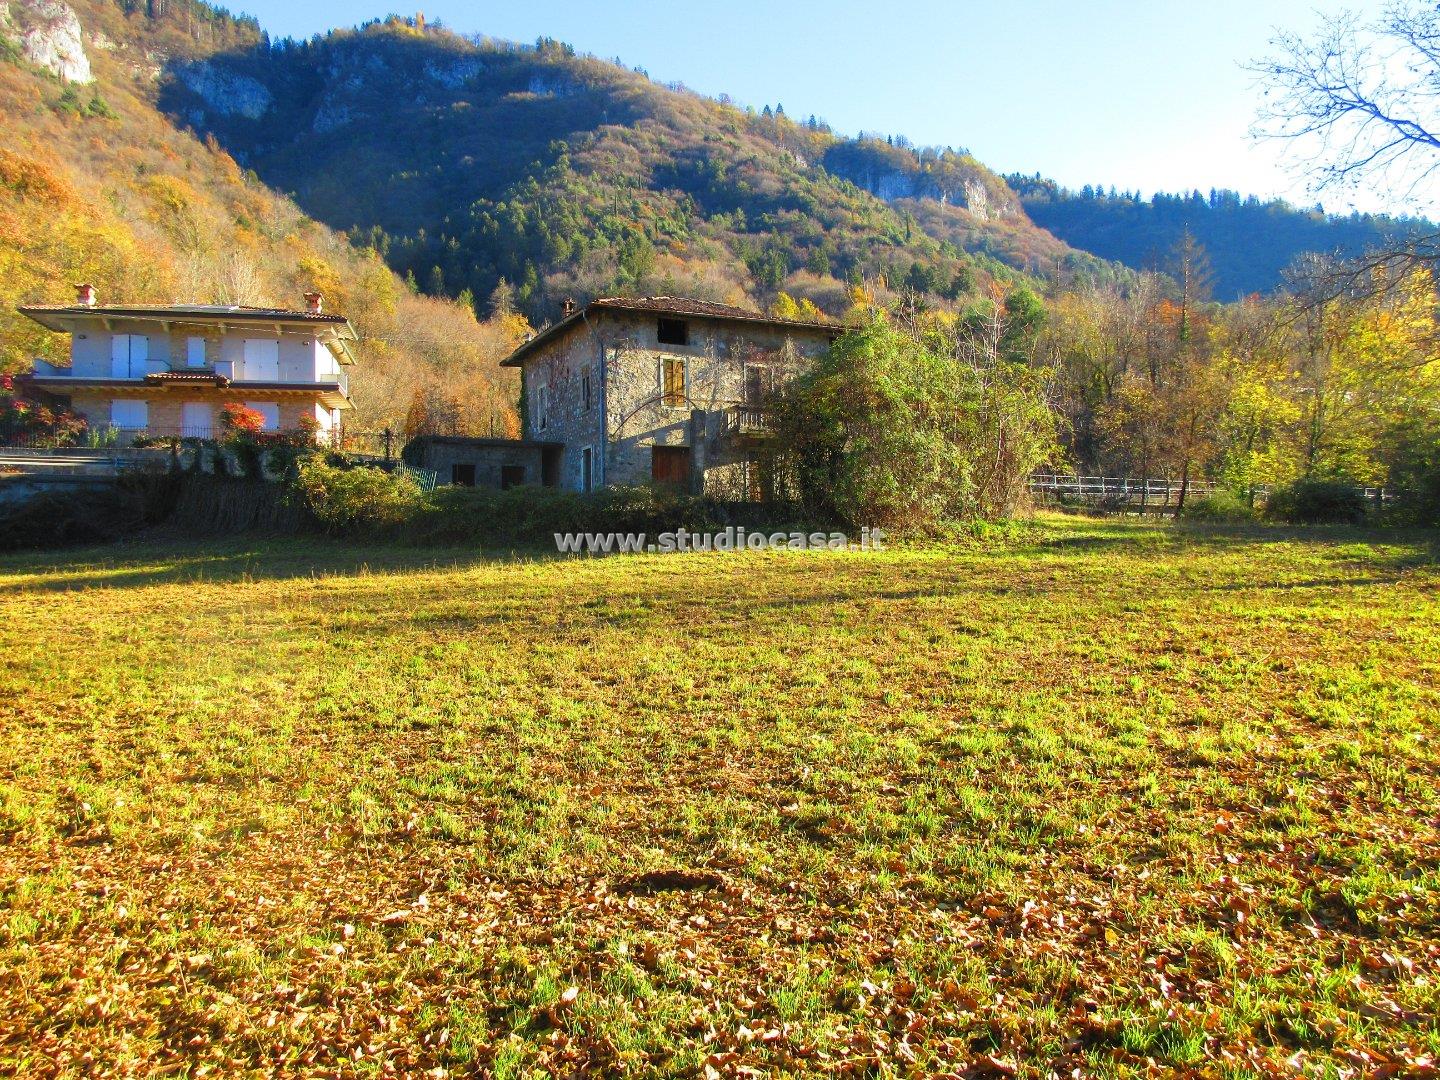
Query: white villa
{"points": [[168, 371]]}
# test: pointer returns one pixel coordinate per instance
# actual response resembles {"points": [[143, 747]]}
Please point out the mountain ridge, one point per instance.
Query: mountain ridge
{"points": [[495, 160], [97, 185]]}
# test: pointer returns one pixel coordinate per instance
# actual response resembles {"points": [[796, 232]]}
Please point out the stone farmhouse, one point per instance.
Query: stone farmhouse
{"points": [[168, 371], [660, 389]]}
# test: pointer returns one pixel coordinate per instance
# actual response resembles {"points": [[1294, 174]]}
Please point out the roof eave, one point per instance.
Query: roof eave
{"points": [[518, 357], [522, 353], [55, 318]]}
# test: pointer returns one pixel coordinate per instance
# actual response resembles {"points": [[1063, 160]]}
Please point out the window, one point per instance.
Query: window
{"points": [[270, 410], [262, 360], [128, 356], [542, 407], [672, 381], [196, 420], [587, 464], [673, 332], [195, 351], [585, 389], [757, 384], [462, 473], [129, 415], [511, 476]]}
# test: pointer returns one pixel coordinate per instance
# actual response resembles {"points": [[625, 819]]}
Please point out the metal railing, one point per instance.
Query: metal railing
{"points": [[136, 370]]}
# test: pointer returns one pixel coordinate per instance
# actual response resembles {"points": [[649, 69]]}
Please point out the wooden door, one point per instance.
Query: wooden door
{"points": [[670, 464]]}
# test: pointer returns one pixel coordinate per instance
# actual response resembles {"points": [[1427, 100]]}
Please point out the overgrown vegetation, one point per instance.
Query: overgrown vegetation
{"points": [[1117, 798], [369, 504], [907, 433]]}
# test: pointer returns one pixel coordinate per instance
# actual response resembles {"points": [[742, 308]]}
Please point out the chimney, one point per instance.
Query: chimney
{"points": [[314, 303], [567, 306], [85, 295]]}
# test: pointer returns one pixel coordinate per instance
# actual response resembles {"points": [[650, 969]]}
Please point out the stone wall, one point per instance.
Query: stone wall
{"points": [[638, 418], [489, 457], [570, 416]]}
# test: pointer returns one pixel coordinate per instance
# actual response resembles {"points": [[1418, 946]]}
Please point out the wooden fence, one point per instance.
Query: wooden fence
{"points": [[1144, 494]]}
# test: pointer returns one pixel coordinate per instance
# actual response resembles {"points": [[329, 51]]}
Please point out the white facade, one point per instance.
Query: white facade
{"points": [[172, 370]]}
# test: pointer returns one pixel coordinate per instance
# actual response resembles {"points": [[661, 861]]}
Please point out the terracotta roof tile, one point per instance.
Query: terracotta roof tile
{"points": [[204, 377]]}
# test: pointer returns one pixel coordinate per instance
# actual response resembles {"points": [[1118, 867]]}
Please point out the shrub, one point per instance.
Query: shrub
{"points": [[343, 498], [239, 419], [1221, 506], [88, 515], [1415, 472], [1318, 502], [32, 422], [884, 430]]}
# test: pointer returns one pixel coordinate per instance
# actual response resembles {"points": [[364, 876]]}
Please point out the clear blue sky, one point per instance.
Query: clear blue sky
{"points": [[1147, 95]]}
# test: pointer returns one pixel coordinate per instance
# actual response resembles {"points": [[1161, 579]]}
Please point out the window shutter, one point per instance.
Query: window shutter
{"points": [[120, 356], [673, 387]]}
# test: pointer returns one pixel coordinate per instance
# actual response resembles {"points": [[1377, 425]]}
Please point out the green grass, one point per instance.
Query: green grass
{"points": [[1091, 796]]}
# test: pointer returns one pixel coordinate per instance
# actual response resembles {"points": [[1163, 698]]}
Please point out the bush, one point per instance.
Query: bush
{"points": [[88, 515], [238, 419], [1415, 473], [1318, 502], [29, 422], [344, 498], [885, 430], [1221, 506]]}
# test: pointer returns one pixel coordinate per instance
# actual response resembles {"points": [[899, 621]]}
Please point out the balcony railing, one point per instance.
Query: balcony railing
{"points": [[138, 369], [105, 436], [750, 420]]}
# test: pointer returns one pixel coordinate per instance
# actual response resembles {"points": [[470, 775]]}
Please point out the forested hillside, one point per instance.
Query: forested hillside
{"points": [[1249, 242], [466, 162], [97, 185]]}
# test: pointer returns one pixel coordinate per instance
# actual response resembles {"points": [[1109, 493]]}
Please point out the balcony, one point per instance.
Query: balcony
{"points": [[224, 373], [749, 421]]}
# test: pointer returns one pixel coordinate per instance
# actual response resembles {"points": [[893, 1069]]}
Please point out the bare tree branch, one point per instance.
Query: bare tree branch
{"points": [[1361, 100]]}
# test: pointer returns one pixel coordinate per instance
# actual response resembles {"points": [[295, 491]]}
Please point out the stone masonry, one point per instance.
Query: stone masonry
{"points": [[597, 382]]}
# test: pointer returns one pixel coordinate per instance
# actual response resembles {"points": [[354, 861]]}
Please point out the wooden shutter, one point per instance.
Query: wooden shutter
{"points": [[673, 386]]}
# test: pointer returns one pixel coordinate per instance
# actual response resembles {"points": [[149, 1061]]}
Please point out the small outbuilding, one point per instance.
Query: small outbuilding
{"points": [[492, 463]]}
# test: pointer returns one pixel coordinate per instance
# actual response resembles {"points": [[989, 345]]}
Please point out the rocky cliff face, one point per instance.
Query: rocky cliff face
{"points": [[47, 33], [967, 192], [225, 93]]}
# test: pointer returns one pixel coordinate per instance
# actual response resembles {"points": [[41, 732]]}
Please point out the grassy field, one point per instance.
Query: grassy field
{"points": [[1108, 797]]}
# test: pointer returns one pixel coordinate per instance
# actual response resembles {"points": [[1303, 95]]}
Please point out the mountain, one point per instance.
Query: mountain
{"points": [[97, 184], [1249, 242], [168, 151], [469, 161]]}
